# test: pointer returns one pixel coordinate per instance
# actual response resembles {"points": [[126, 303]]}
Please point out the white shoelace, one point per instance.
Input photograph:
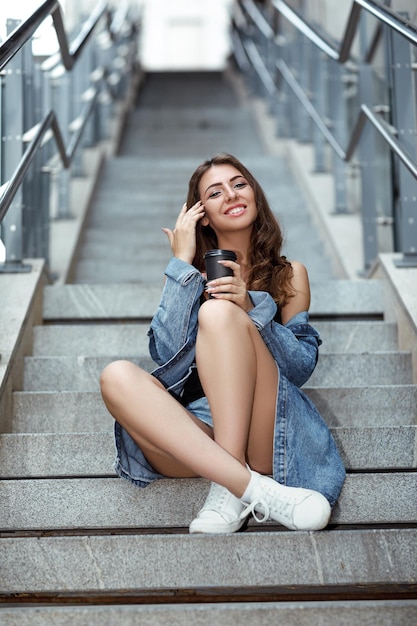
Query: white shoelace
{"points": [[250, 509]]}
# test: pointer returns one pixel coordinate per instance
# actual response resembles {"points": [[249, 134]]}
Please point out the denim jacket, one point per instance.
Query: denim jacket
{"points": [[173, 330], [304, 451]]}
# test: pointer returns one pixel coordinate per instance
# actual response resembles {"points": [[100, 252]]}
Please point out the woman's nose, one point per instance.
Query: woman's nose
{"points": [[231, 193]]}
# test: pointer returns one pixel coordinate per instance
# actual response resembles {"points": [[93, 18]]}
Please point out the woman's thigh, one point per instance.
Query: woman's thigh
{"points": [[261, 432]]}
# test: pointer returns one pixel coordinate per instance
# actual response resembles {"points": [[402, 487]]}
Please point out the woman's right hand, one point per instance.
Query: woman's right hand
{"points": [[182, 238]]}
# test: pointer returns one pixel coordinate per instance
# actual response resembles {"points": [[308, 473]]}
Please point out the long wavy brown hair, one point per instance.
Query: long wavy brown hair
{"points": [[268, 269]]}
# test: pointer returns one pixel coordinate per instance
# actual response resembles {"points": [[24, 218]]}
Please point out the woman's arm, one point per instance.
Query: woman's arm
{"points": [[175, 321], [294, 343]]}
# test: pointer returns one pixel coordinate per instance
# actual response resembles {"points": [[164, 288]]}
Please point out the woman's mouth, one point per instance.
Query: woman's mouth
{"points": [[235, 210]]}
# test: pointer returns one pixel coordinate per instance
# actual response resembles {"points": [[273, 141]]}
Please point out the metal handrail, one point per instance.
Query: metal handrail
{"points": [[261, 57], [69, 56], [49, 123], [341, 54], [386, 132], [258, 19], [365, 114], [311, 33]]}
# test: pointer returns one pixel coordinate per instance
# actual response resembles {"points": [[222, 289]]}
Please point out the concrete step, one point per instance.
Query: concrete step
{"points": [[92, 454], [119, 268], [277, 566], [101, 302], [105, 503], [60, 411], [329, 298], [295, 613], [90, 339], [69, 373], [379, 405], [109, 339], [193, 132], [84, 411], [379, 368], [333, 370]]}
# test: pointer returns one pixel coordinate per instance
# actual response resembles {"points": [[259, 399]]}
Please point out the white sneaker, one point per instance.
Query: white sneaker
{"points": [[294, 507], [222, 512]]}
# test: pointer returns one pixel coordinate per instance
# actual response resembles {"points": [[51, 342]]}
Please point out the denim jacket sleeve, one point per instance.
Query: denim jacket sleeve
{"points": [[175, 321], [294, 345]]}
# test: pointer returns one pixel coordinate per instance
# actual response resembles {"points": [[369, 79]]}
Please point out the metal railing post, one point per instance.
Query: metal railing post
{"points": [[318, 69], [304, 134], [105, 108], [12, 150], [367, 156], [77, 81], [292, 102], [338, 115], [30, 185], [62, 104], [284, 94], [367, 168], [42, 172], [404, 120]]}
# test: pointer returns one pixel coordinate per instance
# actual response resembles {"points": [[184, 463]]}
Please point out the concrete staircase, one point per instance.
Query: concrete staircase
{"points": [[80, 546]]}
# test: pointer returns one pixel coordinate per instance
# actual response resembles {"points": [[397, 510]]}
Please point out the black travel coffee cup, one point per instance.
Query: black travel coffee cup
{"points": [[217, 270]]}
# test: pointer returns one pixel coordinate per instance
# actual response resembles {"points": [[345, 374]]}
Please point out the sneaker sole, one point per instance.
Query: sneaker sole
{"points": [[199, 527]]}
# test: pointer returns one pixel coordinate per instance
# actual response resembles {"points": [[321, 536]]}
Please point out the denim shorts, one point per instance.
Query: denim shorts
{"points": [[200, 408]]}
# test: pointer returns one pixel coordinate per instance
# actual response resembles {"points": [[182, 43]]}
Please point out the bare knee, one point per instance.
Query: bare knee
{"points": [[117, 378], [218, 314]]}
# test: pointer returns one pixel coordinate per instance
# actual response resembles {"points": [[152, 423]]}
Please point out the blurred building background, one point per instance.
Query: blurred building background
{"points": [[177, 34]]}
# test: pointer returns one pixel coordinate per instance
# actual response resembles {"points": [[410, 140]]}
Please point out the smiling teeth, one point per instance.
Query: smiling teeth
{"points": [[237, 209]]}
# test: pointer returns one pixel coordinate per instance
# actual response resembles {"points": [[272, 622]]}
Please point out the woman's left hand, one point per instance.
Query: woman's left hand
{"points": [[231, 288]]}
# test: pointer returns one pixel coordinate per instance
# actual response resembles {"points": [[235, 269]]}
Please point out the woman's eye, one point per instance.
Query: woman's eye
{"points": [[214, 194], [240, 185]]}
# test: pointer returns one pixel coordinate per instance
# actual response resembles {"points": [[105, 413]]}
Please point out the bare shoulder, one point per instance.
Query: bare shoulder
{"points": [[300, 279], [301, 298]]}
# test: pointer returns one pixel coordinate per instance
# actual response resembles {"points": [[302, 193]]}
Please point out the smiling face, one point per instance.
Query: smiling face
{"points": [[228, 198]]}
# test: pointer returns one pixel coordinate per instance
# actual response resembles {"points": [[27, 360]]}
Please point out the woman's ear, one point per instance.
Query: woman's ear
{"points": [[204, 221]]}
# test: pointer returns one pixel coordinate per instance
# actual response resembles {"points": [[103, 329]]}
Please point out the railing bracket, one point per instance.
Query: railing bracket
{"points": [[407, 260], [15, 268]]}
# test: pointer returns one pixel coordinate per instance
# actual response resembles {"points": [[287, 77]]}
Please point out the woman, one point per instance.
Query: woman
{"points": [[225, 403]]}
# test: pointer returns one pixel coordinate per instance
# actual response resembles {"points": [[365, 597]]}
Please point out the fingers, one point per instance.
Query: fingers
{"points": [[168, 233], [226, 285], [182, 238], [233, 266], [229, 287], [196, 211], [232, 289], [223, 286], [187, 217]]}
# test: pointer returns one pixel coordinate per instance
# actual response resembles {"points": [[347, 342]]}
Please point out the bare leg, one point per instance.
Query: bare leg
{"points": [[174, 442], [177, 446], [239, 377]]}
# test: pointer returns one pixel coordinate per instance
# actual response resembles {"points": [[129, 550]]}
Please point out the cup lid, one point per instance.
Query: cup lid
{"points": [[219, 252]]}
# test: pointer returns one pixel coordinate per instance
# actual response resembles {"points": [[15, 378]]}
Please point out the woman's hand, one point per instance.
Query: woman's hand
{"points": [[182, 238], [231, 288]]}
